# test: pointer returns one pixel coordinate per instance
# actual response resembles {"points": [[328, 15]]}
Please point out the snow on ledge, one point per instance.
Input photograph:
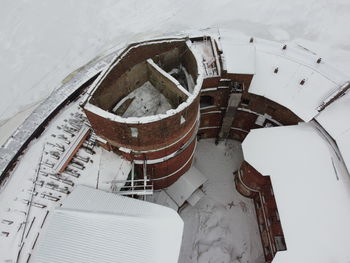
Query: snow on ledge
{"points": [[147, 119], [310, 188]]}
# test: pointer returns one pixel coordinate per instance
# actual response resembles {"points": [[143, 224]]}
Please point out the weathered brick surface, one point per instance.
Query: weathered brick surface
{"points": [[177, 165], [242, 78], [205, 133], [169, 166], [109, 85], [211, 119], [237, 135], [263, 105], [220, 96], [266, 209], [152, 135], [159, 153]]}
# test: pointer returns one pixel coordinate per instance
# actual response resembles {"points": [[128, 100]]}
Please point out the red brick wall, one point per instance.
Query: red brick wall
{"points": [[242, 78], [132, 56], [151, 135], [211, 119], [266, 207], [165, 168], [263, 105], [204, 133], [220, 96], [160, 153]]}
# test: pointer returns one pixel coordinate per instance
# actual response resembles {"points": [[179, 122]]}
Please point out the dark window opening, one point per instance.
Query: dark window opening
{"points": [[280, 243], [206, 101], [245, 102]]}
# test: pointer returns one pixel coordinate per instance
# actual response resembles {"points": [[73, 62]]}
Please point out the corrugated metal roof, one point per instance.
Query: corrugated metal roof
{"points": [[96, 226]]}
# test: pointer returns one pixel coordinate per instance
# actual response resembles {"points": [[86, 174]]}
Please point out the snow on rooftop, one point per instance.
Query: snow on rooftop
{"points": [[239, 56], [311, 191], [300, 84], [186, 185], [147, 101], [96, 226], [297, 87], [335, 119]]}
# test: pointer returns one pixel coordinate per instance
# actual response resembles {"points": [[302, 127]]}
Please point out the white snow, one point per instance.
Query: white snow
{"points": [[239, 54], [295, 65], [42, 42], [50, 190], [311, 190], [222, 226], [208, 58], [186, 185], [147, 101], [335, 120], [112, 168], [96, 226]]}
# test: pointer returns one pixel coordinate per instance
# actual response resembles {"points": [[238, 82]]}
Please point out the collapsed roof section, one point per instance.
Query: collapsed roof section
{"points": [[147, 82]]}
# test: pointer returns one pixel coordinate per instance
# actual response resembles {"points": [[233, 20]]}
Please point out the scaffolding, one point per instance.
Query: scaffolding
{"points": [[132, 186]]}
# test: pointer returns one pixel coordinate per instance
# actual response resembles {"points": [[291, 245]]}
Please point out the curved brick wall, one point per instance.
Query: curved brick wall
{"points": [[157, 137], [167, 172], [151, 136]]}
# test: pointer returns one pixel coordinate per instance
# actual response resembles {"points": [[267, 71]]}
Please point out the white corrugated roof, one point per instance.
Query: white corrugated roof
{"points": [[96, 226], [311, 189]]}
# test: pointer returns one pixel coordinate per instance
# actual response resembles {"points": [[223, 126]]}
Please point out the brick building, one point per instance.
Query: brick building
{"points": [[203, 87]]}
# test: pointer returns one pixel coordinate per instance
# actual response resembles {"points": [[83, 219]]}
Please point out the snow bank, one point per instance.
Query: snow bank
{"points": [[42, 42], [222, 226]]}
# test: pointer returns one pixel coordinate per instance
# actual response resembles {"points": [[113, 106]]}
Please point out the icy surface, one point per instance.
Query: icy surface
{"points": [[147, 101], [222, 226]]}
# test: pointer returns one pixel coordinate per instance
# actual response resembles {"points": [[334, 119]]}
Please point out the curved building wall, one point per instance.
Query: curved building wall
{"points": [[125, 74], [249, 110], [163, 143], [150, 136], [250, 183]]}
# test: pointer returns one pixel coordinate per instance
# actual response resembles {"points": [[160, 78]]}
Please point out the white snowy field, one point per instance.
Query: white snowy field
{"points": [[41, 42], [222, 226]]}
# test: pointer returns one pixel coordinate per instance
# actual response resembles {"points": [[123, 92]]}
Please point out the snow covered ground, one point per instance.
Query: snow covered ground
{"points": [[222, 226], [42, 42], [32, 181], [146, 101]]}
